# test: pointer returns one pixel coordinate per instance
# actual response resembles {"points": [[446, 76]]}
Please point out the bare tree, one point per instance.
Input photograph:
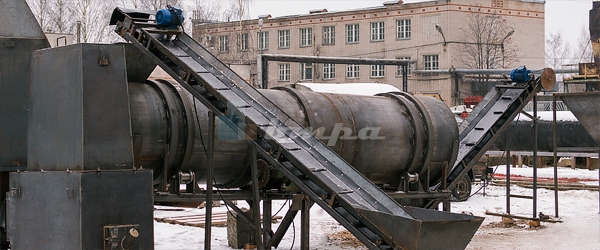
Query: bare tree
{"points": [[584, 52], [160, 4], [61, 16], [486, 42], [42, 11], [558, 51]]}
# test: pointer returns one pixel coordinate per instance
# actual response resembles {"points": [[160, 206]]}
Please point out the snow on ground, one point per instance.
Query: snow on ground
{"points": [[578, 209], [351, 88], [549, 116], [548, 172]]}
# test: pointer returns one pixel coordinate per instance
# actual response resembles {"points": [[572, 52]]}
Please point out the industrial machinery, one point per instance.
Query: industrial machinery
{"points": [[96, 126]]}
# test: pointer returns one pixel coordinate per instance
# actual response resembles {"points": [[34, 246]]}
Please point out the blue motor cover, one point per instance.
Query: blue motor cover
{"points": [[171, 17], [520, 74]]}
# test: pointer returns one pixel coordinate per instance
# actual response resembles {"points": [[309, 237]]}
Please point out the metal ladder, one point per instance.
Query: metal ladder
{"points": [[489, 118], [350, 198]]}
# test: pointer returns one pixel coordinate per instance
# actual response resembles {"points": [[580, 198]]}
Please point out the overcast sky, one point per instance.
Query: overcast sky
{"points": [[566, 16]]}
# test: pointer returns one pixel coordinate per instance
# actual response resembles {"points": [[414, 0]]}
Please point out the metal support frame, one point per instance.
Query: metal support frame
{"points": [[535, 166], [264, 59], [557, 149]]}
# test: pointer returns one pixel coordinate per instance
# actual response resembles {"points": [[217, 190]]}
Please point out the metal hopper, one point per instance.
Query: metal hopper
{"points": [[586, 107]]}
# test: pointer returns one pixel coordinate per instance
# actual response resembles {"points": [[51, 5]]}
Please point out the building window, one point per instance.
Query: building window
{"points": [[284, 38], [352, 33], [408, 67], [242, 41], [284, 72], [377, 71], [403, 28], [223, 43], [306, 37], [328, 71], [306, 71], [263, 40], [377, 31], [352, 71], [431, 62], [329, 35]]}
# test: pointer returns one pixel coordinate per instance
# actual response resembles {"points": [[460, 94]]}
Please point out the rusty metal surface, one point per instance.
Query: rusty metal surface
{"points": [[79, 110], [586, 107], [68, 210]]}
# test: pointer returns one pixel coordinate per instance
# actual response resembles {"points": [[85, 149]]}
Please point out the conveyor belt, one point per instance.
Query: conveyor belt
{"points": [[483, 126], [324, 176], [360, 206]]}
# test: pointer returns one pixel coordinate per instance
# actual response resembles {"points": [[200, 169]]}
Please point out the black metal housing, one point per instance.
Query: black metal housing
{"points": [[79, 118], [69, 210]]}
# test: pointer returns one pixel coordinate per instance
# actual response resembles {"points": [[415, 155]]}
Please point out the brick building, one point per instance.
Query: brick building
{"points": [[393, 30]]}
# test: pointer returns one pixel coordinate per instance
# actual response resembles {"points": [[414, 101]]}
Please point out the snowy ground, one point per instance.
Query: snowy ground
{"points": [[579, 211]]}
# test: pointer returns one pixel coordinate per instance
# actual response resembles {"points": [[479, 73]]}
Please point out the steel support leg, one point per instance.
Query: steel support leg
{"points": [[267, 214], [256, 203], [285, 224], [535, 158], [554, 156], [507, 175], [209, 180], [305, 224]]}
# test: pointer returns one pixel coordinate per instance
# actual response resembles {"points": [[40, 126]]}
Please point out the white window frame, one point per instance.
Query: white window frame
{"points": [[263, 40], [352, 70], [377, 31], [403, 28], [328, 35], [377, 71], [431, 62], [223, 43], [242, 41], [328, 71], [284, 39], [408, 67], [305, 37], [284, 72], [352, 33], [306, 71]]}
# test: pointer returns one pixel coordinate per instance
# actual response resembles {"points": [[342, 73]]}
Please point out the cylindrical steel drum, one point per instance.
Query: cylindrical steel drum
{"points": [[381, 136]]}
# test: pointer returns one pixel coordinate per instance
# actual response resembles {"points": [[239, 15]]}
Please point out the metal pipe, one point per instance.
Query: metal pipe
{"points": [[492, 71]]}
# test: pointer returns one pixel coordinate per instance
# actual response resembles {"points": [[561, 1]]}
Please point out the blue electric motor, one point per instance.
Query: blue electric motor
{"points": [[171, 17], [520, 74]]}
